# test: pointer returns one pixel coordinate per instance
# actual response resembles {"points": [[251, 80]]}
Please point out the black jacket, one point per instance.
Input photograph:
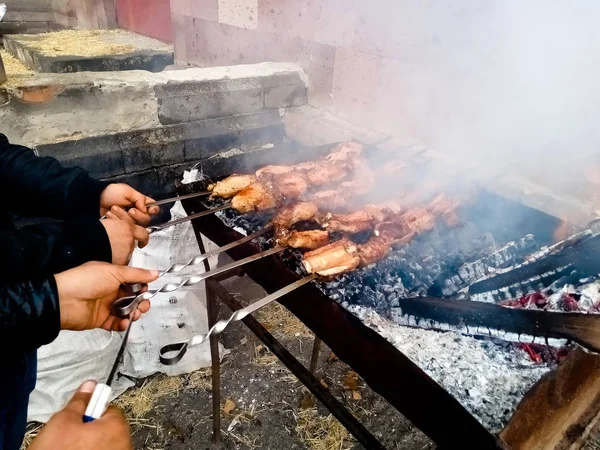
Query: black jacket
{"points": [[31, 186]]}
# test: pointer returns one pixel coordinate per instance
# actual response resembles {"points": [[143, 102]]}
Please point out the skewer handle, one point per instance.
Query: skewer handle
{"points": [[173, 353]]}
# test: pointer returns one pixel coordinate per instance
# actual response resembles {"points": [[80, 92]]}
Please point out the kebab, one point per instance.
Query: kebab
{"points": [[331, 260]]}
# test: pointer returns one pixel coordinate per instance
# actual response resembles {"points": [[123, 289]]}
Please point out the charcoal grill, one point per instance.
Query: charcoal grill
{"points": [[383, 367]]}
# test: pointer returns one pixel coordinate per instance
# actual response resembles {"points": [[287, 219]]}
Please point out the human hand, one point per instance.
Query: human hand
{"points": [[122, 236], [66, 430], [86, 294], [123, 195]]}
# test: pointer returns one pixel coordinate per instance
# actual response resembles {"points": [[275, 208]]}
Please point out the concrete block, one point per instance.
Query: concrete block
{"points": [[187, 102], [149, 154], [285, 96], [146, 182], [201, 148], [251, 139], [101, 156]]}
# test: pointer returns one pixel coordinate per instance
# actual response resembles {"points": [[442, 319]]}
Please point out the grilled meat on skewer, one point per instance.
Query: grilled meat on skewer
{"points": [[333, 259], [291, 185], [230, 186], [273, 170], [311, 239], [259, 196], [294, 213]]}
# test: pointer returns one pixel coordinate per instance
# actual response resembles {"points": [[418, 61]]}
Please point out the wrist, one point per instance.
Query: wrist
{"points": [[65, 300]]}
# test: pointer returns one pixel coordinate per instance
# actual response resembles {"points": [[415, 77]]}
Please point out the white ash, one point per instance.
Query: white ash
{"points": [[489, 379]]}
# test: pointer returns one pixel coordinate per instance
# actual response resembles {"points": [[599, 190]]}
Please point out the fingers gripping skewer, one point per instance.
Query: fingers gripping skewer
{"points": [[172, 353], [126, 305]]}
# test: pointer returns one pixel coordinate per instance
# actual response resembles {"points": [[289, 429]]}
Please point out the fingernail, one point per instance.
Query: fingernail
{"points": [[132, 212], [109, 214], [87, 387], [115, 208], [154, 273]]}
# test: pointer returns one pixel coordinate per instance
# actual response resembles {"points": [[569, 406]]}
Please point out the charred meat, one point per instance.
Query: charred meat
{"points": [[259, 196], [333, 259], [231, 185], [311, 239]]}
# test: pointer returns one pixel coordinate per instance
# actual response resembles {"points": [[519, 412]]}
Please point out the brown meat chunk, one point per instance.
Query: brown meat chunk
{"points": [[374, 250], [311, 239], [291, 185], [231, 185], [331, 200], [419, 220], [259, 196], [355, 222], [333, 259], [273, 170], [325, 173], [294, 213]]}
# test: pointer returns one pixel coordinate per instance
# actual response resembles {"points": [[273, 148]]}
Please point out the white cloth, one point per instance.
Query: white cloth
{"points": [[75, 357], [2, 10]]}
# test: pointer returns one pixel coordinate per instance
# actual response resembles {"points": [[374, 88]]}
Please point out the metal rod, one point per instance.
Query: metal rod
{"points": [[351, 423], [178, 267], [215, 358], [173, 353], [126, 305], [113, 371], [156, 228], [178, 198], [316, 351]]}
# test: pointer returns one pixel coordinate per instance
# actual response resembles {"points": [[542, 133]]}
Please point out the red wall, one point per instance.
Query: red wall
{"points": [[149, 17]]}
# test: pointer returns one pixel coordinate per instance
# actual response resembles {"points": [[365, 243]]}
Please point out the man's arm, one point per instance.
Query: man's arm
{"points": [[40, 186], [29, 313], [50, 248], [33, 311]]}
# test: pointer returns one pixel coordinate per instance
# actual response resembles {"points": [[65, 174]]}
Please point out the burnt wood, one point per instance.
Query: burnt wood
{"points": [[577, 327], [383, 367], [560, 409]]}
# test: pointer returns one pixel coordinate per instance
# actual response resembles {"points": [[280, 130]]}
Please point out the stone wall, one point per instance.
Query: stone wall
{"points": [[147, 17], [510, 84], [88, 14], [147, 128]]}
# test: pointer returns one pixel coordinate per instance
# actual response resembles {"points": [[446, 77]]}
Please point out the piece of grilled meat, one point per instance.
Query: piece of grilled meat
{"points": [[310, 239], [273, 170], [333, 259], [259, 196], [231, 185]]}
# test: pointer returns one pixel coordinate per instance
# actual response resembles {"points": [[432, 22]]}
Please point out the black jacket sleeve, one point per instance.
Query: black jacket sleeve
{"points": [[52, 248], [40, 186], [29, 313]]}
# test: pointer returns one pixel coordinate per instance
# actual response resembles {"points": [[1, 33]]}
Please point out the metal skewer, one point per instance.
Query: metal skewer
{"points": [[178, 350], [156, 228], [178, 267], [126, 305], [169, 200]]}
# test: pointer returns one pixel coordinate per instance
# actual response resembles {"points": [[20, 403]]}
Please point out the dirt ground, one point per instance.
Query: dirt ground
{"points": [[263, 405]]}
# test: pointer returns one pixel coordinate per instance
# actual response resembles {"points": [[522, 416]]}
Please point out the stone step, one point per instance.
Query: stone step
{"points": [[123, 51]]}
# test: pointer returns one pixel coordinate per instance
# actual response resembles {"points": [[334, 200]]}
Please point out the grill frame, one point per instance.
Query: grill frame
{"points": [[383, 367]]}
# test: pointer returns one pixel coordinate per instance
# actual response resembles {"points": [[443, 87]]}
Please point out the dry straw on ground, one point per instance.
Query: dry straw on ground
{"points": [[322, 432], [12, 65], [138, 402], [87, 43], [280, 322]]}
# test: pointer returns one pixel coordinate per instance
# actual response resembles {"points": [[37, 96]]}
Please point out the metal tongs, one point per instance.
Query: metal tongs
{"points": [[172, 353]]}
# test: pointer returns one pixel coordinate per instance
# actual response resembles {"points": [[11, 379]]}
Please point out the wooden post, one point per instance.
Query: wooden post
{"points": [[559, 408]]}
